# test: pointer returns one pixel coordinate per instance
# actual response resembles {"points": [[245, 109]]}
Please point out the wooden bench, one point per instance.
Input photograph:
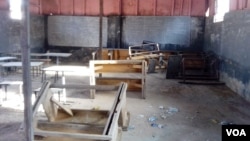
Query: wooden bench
{"points": [[112, 72]]}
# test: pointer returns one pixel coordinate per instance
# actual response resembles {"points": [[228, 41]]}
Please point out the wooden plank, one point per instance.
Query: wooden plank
{"points": [[120, 54], [115, 110], [72, 135], [79, 86], [131, 82], [65, 125], [49, 107], [143, 57], [41, 96], [98, 67], [137, 85], [143, 79], [117, 68], [137, 66], [115, 62], [64, 108], [131, 78]]}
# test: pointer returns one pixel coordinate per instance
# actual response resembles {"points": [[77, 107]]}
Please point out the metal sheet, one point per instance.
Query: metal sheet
{"points": [[66, 7], [129, 7], [186, 7], [198, 8], [164, 7], [147, 7], [111, 7], [178, 4], [35, 6], [79, 7], [50, 6], [92, 7]]}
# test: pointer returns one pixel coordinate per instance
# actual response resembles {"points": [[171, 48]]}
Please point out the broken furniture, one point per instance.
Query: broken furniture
{"points": [[111, 54], [149, 52], [64, 123], [194, 66], [112, 72], [199, 66]]}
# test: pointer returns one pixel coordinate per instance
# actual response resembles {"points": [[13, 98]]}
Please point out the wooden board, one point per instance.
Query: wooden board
{"points": [[133, 84]]}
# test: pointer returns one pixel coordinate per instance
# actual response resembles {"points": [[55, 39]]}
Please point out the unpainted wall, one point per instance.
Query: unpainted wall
{"points": [[10, 33], [76, 31], [230, 41], [172, 32]]}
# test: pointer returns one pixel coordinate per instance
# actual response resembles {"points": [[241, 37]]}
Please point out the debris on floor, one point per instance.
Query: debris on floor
{"points": [[152, 119]]}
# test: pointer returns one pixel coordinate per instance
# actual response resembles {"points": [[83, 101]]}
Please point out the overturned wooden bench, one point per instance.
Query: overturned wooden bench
{"points": [[112, 72], [64, 123]]}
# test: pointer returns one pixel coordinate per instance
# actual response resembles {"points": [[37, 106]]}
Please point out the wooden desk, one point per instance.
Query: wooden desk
{"points": [[35, 66]]}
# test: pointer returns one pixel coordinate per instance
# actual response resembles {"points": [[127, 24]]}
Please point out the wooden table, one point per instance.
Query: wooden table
{"points": [[35, 66]]}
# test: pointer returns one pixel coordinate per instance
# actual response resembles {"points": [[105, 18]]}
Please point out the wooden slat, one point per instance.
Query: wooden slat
{"points": [[116, 109], [98, 67], [72, 135], [64, 108], [116, 61], [79, 86], [117, 68], [137, 66], [131, 82], [41, 96], [65, 125]]}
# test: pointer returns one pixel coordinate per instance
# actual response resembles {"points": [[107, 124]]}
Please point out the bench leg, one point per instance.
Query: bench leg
{"points": [[5, 90]]}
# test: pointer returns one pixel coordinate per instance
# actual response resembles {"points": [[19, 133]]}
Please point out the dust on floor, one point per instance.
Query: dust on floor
{"points": [[171, 111]]}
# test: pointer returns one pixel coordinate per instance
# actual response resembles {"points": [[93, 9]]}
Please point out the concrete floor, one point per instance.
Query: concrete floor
{"points": [[181, 112]]}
